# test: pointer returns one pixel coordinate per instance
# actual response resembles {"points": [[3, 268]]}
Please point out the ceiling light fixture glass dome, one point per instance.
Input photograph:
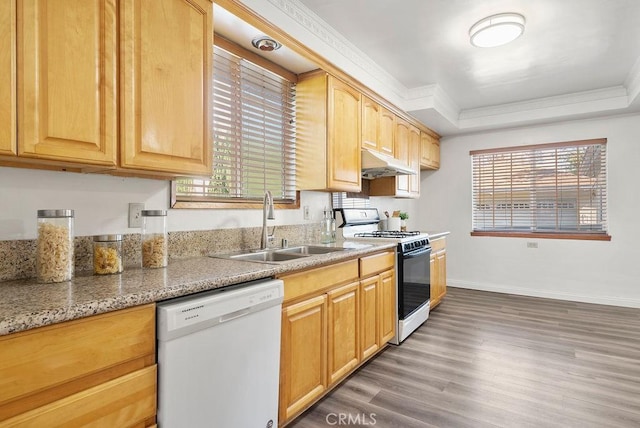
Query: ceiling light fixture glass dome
{"points": [[497, 30]]}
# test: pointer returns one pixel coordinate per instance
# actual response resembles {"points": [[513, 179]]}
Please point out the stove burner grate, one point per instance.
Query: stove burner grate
{"points": [[387, 234]]}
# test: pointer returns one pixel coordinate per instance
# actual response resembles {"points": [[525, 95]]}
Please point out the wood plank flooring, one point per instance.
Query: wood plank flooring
{"points": [[497, 360]]}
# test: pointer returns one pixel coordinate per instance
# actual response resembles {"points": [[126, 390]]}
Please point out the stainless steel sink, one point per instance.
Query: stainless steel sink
{"points": [[267, 256], [280, 255], [310, 250]]}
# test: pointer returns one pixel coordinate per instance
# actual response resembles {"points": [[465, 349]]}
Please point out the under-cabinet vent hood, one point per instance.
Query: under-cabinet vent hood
{"points": [[375, 165]]}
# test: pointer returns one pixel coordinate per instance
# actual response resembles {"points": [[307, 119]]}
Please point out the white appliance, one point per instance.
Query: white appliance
{"points": [[412, 264], [219, 357]]}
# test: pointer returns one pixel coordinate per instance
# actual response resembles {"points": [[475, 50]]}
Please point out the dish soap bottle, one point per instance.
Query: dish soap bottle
{"points": [[328, 228]]}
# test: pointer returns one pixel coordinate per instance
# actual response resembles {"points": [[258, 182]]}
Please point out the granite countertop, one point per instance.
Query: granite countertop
{"points": [[25, 304], [436, 235]]}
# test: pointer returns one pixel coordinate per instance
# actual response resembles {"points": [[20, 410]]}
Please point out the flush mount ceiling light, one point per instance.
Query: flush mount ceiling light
{"points": [[265, 43], [497, 30]]}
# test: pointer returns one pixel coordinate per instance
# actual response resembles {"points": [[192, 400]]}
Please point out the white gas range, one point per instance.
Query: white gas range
{"points": [[412, 264]]}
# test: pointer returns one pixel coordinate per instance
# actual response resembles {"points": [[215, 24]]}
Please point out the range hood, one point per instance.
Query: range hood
{"points": [[375, 165]]}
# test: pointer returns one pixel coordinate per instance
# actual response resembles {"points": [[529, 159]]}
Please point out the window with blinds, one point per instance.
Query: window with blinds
{"points": [[253, 136], [556, 189]]}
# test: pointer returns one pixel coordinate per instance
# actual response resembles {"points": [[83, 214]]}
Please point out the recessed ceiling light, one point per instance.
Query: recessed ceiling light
{"points": [[497, 30], [265, 43]]}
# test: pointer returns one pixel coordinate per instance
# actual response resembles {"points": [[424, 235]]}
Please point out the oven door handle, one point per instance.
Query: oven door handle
{"points": [[416, 253]]}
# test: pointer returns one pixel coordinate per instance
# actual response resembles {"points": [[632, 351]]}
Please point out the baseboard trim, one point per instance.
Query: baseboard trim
{"points": [[611, 301]]}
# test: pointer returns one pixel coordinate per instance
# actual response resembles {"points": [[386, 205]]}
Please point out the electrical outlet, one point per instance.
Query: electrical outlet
{"points": [[305, 212], [135, 214], [532, 244]]}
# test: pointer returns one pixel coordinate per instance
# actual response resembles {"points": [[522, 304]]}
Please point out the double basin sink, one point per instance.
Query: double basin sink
{"points": [[281, 255]]}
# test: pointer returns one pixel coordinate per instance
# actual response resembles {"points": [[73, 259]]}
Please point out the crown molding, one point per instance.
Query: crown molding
{"points": [[633, 83], [338, 43], [431, 104]]}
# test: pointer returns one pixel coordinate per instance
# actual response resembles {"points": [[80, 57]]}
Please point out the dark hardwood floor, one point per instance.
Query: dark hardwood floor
{"points": [[497, 360]]}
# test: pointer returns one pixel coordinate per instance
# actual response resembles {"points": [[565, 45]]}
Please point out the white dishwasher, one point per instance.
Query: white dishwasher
{"points": [[219, 357]]}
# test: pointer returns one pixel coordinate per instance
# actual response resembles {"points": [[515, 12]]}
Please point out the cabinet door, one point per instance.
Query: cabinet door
{"points": [[403, 138], [343, 151], [425, 150], [67, 80], [387, 129], [414, 162], [303, 359], [387, 302], [435, 153], [369, 313], [8, 81], [343, 322], [438, 266], [370, 124], [434, 277], [166, 81]]}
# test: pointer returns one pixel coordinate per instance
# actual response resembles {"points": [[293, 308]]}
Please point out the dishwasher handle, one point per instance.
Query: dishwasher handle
{"points": [[186, 315], [233, 315]]}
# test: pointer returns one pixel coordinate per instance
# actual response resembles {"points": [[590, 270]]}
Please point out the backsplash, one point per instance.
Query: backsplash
{"points": [[17, 258]]}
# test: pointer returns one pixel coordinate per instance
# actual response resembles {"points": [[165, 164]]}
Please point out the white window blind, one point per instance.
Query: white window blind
{"points": [[253, 136], [548, 188]]}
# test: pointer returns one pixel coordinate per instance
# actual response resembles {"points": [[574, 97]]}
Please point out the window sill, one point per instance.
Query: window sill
{"points": [[546, 235]]}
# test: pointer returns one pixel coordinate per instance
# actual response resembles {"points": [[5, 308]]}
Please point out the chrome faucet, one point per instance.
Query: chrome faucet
{"points": [[267, 213]]}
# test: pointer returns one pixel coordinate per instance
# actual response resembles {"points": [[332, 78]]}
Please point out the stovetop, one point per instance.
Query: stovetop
{"points": [[387, 234]]}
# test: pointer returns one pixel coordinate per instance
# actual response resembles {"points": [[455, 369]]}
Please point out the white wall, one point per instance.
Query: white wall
{"points": [[590, 271], [101, 204]]}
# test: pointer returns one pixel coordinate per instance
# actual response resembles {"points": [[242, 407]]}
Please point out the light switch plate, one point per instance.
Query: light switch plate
{"points": [[135, 214]]}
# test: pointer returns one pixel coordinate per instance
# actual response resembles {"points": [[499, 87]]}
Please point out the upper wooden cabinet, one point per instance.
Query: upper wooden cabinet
{"points": [[414, 162], [377, 127], [407, 149], [107, 85], [165, 70], [8, 80], [429, 151], [328, 134], [67, 81]]}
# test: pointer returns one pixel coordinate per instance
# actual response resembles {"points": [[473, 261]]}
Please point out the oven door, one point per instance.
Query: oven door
{"points": [[414, 281]]}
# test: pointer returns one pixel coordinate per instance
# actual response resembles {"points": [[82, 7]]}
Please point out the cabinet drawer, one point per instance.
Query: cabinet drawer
{"points": [[377, 263], [438, 244], [122, 402], [311, 281], [43, 362]]}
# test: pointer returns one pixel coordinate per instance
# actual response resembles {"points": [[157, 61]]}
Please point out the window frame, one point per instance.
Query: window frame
{"points": [[543, 233], [237, 203]]}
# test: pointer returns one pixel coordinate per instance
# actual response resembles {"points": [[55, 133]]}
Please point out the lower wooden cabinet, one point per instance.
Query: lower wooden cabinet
{"points": [[333, 319], [369, 313], [344, 320], [97, 371], [303, 358], [387, 317], [438, 267]]}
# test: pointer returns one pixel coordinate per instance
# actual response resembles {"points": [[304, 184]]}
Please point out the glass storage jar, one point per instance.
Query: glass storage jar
{"points": [[54, 253], [155, 249], [107, 254]]}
